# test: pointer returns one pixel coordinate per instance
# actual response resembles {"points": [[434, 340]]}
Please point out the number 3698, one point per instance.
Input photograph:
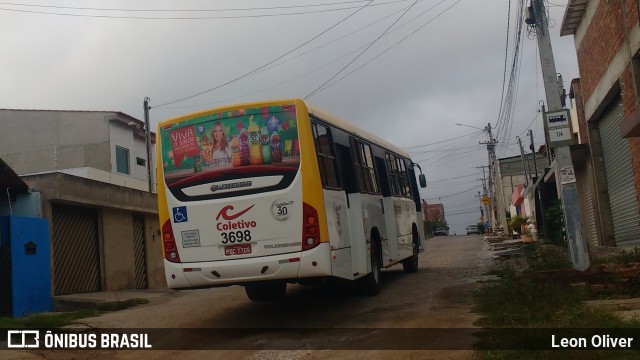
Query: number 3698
{"points": [[232, 237]]}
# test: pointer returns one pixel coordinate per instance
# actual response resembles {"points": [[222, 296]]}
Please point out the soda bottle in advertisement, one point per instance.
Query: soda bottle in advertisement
{"points": [[276, 149], [197, 163], [255, 149], [235, 152], [243, 139], [266, 146]]}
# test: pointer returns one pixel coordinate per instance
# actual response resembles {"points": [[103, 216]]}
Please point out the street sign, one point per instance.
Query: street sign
{"points": [[557, 125], [485, 200]]}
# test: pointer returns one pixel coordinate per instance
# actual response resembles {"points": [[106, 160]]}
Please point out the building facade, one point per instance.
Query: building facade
{"points": [[90, 171], [607, 40]]}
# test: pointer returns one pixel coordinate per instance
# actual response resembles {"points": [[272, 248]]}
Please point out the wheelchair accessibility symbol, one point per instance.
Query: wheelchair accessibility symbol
{"points": [[180, 214]]}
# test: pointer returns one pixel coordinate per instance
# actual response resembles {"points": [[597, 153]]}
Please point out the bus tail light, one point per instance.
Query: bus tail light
{"points": [[169, 243], [310, 227]]}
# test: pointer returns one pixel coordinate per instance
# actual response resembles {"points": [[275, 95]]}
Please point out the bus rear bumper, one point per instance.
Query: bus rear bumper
{"points": [[311, 263]]}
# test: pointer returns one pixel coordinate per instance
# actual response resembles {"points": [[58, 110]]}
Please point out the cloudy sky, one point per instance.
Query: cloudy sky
{"points": [[410, 70]]}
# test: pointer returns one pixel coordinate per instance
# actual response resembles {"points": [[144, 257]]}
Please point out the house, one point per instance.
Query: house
{"points": [[607, 163], [514, 175], [90, 170], [434, 212]]}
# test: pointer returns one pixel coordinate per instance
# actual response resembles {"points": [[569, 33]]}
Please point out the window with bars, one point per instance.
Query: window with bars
{"points": [[326, 156], [398, 176], [364, 167]]}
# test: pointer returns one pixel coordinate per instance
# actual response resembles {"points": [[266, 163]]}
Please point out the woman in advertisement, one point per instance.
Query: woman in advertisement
{"points": [[221, 147]]}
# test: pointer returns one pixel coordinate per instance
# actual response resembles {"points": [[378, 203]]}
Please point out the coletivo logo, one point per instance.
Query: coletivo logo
{"points": [[227, 214], [224, 212]]}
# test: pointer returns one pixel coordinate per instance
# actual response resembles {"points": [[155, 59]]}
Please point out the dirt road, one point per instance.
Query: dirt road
{"points": [[438, 296]]}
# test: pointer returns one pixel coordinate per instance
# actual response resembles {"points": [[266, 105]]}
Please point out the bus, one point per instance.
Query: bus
{"points": [[264, 194]]}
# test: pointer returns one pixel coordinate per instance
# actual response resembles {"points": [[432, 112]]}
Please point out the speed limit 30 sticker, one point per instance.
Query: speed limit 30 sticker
{"points": [[280, 209]]}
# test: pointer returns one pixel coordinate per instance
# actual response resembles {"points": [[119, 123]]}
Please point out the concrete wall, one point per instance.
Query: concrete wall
{"points": [[48, 140], [118, 256], [607, 43], [117, 206], [155, 256], [25, 204]]}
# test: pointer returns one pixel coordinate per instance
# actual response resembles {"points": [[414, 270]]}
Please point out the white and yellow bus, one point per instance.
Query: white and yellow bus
{"points": [[268, 193]]}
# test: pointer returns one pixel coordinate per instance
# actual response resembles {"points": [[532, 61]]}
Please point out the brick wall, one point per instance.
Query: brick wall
{"points": [[604, 39]]}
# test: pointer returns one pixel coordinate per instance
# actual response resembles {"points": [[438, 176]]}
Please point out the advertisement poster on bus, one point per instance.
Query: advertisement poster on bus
{"points": [[257, 137]]}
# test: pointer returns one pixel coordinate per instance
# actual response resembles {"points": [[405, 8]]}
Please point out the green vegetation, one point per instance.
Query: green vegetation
{"points": [[46, 320], [522, 308], [516, 223], [554, 221], [59, 319]]}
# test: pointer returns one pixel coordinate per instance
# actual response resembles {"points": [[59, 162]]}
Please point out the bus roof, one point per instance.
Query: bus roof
{"points": [[313, 110]]}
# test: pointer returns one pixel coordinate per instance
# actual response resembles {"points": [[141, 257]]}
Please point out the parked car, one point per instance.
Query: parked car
{"points": [[472, 229], [441, 232]]}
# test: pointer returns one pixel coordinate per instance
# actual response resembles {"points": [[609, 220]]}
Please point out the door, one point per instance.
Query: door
{"points": [[620, 179]]}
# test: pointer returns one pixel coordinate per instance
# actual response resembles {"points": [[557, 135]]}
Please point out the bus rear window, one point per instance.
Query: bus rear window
{"points": [[244, 142]]}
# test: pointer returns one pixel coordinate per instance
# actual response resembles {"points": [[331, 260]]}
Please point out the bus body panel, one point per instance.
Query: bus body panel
{"points": [[360, 247], [275, 267], [399, 220], [214, 227], [338, 233]]}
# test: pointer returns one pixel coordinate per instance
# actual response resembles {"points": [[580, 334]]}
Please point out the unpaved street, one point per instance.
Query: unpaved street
{"points": [[438, 296]]}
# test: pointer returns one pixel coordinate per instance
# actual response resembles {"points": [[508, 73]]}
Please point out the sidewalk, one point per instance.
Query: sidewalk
{"points": [[108, 300]]}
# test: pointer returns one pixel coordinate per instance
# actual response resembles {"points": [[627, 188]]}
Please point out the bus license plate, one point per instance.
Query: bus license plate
{"points": [[239, 249]]}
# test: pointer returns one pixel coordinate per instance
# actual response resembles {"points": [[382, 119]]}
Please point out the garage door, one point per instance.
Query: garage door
{"points": [[620, 179], [76, 250], [139, 252], [590, 217]]}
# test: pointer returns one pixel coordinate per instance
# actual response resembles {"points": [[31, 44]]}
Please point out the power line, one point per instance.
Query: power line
{"points": [[183, 17], [387, 49], [195, 10], [454, 178], [458, 193], [440, 142], [270, 62], [303, 54], [318, 68], [363, 51]]}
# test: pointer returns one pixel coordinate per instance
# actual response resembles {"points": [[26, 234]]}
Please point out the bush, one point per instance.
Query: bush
{"points": [[516, 223]]}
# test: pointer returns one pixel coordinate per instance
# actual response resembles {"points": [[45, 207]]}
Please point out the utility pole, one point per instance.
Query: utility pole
{"points": [[491, 147], [147, 135], [524, 164], [484, 188], [565, 176], [533, 152]]}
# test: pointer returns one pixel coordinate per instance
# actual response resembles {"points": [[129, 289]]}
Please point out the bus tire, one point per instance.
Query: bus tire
{"points": [[370, 284], [410, 264], [266, 291]]}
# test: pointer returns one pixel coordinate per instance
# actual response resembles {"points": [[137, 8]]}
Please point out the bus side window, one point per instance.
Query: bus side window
{"points": [[326, 157], [346, 169], [368, 170], [414, 189], [393, 175], [383, 176], [355, 158]]}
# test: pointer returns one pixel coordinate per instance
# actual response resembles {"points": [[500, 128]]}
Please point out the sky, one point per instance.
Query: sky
{"points": [[408, 71]]}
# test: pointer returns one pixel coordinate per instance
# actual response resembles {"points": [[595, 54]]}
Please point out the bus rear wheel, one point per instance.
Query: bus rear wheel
{"points": [[370, 284], [266, 291], [410, 264]]}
